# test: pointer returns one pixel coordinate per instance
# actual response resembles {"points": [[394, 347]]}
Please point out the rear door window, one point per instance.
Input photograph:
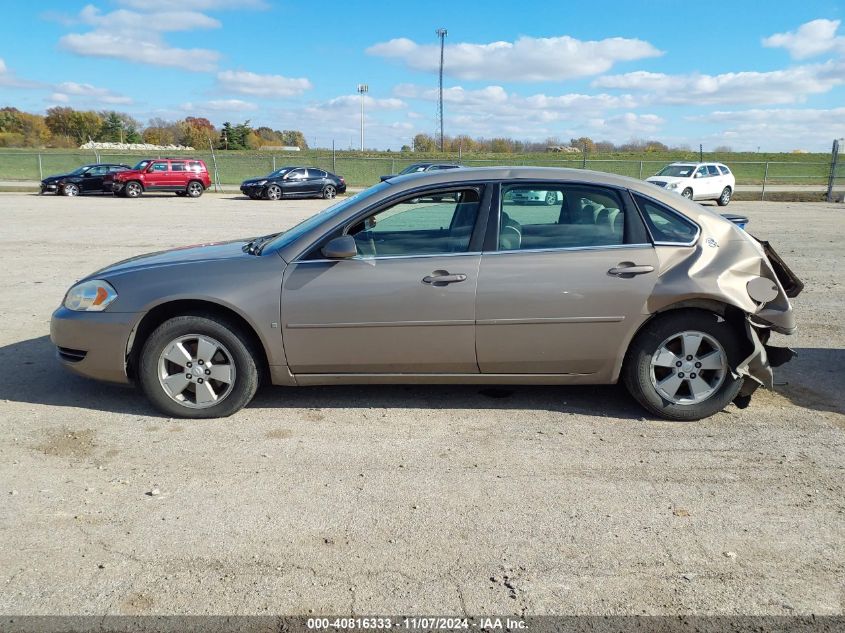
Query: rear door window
{"points": [[712, 170], [551, 216], [177, 166]]}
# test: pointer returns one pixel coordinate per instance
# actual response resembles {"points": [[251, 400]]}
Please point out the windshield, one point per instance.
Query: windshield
{"points": [[413, 169], [142, 165], [80, 171], [677, 171], [279, 172], [292, 234]]}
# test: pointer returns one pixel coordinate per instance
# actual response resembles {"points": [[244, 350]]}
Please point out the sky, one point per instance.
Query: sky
{"points": [[748, 75]]}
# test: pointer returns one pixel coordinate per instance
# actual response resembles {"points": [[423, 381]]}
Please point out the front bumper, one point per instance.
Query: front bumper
{"points": [[253, 190], [93, 344], [49, 187]]}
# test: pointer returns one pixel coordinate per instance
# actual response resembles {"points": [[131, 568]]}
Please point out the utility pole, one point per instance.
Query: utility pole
{"points": [[441, 33], [363, 89]]}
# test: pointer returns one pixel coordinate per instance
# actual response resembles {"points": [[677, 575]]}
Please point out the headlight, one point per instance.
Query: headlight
{"points": [[90, 296], [673, 185]]}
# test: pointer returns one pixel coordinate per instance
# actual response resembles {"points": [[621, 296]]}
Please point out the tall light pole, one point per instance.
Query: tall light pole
{"points": [[363, 89], [441, 33]]}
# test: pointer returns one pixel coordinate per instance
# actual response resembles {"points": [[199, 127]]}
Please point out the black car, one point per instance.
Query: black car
{"points": [[294, 182], [86, 179], [420, 167]]}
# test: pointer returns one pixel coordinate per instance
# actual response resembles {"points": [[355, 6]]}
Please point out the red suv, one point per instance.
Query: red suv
{"points": [[184, 176]]}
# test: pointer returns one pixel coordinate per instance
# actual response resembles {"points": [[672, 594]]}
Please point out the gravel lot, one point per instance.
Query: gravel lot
{"points": [[526, 500]]}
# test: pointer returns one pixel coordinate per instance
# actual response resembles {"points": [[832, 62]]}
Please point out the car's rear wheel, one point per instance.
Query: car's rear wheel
{"points": [[725, 198], [198, 367], [329, 192], [551, 198], [687, 193], [70, 189], [274, 192], [133, 189], [679, 365], [194, 189]]}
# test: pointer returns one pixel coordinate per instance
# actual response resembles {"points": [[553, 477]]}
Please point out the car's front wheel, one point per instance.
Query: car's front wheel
{"points": [[725, 198], [133, 189], [198, 367], [274, 192], [687, 193], [70, 189], [551, 197], [679, 365]]}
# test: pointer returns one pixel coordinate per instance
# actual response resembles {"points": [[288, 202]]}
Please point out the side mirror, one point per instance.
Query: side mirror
{"points": [[342, 247]]}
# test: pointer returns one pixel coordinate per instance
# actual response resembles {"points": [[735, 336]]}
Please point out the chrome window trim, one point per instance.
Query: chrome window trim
{"points": [[370, 259], [693, 242], [567, 248]]}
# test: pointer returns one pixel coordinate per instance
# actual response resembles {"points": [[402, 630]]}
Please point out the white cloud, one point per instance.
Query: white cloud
{"points": [[137, 37], [526, 59], [9, 79], [774, 87], [269, 86], [68, 89], [353, 102], [784, 129], [627, 124], [220, 105], [810, 39]]}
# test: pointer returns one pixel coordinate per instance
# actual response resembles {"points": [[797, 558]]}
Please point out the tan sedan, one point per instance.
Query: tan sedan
{"points": [[441, 278]]}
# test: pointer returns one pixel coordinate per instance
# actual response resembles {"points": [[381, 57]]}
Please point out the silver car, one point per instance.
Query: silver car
{"points": [[440, 278]]}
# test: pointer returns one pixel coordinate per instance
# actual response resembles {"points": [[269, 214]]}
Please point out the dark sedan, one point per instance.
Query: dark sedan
{"points": [[86, 179], [294, 182]]}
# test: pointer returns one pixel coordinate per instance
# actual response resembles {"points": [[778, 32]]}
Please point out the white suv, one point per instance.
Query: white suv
{"points": [[697, 181]]}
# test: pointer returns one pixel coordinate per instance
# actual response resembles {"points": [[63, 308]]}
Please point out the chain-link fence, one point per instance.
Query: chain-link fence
{"points": [[363, 171]]}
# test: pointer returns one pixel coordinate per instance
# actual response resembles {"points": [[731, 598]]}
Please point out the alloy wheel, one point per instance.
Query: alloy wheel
{"points": [[194, 190], [725, 198], [687, 193], [70, 190], [688, 367], [551, 198], [196, 371], [274, 192], [329, 192], [133, 189]]}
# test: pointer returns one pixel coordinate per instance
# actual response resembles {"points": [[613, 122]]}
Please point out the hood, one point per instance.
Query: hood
{"points": [[665, 179], [58, 177], [175, 257], [250, 181], [128, 173]]}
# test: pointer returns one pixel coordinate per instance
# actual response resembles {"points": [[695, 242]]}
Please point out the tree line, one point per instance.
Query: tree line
{"points": [[67, 127], [503, 145]]}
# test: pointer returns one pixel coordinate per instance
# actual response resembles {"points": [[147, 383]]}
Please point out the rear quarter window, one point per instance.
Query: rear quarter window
{"points": [[666, 225]]}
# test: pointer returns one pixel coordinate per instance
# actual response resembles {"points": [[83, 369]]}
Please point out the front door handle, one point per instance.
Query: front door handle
{"points": [[629, 269], [443, 278]]}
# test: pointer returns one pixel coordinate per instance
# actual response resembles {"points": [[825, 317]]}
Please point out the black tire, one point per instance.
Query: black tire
{"points": [[70, 189], [194, 189], [637, 370], [133, 189], [329, 192], [238, 345], [551, 198], [687, 193], [724, 199]]}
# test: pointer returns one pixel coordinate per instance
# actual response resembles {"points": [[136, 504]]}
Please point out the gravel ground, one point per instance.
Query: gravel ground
{"points": [[526, 500]]}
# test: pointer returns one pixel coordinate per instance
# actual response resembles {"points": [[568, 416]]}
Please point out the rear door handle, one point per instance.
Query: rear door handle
{"points": [[626, 269], [443, 278]]}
